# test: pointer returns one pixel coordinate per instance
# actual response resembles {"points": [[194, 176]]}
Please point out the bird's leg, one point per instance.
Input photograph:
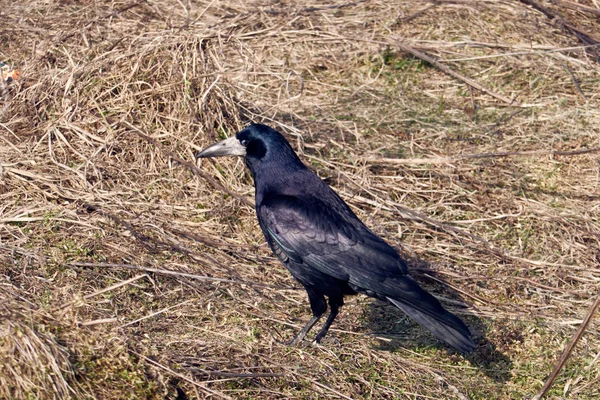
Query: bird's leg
{"points": [[334, 304], [326, 325], [318, 305], [298, 338]]}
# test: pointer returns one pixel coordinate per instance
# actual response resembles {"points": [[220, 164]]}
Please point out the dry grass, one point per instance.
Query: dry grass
{"points": [[127, 272]]}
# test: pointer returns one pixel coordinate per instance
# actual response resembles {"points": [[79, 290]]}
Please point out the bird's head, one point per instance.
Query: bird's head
{"points": [[261, 146]]}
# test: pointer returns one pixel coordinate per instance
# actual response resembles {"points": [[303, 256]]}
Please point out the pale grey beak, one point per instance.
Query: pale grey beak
{"points": [[228, 147]]}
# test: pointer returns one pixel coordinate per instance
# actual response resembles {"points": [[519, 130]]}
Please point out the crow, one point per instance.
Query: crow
{"points": [[323, 244]]}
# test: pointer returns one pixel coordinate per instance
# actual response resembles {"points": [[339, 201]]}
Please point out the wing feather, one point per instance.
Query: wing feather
{"points": [[327, 239]]}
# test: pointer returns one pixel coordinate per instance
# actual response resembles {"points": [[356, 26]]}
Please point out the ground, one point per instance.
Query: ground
{"points": [[466, 133]]}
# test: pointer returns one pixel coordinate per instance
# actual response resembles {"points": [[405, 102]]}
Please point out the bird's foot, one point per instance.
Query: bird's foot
{"points": [[329, 340], [319, 337], [300, 336], [295, 341]]}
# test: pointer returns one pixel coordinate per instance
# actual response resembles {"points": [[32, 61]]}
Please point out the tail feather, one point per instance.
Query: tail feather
{"points": [[455, 335], [429, 313]]}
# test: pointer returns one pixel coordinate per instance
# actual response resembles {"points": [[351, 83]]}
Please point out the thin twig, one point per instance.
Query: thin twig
{"points": [[177, 374], [450, 386], [579, 7], [235, 375], [583, 37], [322, 386], [456, 75], [567, 352], [417, 14], [99, 321], [147, 241], [106, 289], [575, 82], [175, 273], [155, 313], [104, 17], [188, 165], [450, 160]]}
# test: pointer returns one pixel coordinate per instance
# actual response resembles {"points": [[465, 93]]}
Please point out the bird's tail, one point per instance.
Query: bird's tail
{"points": [[429, 313]]}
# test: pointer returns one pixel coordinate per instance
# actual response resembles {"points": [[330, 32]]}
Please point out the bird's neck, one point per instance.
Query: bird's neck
{"points": [[279, 179]]}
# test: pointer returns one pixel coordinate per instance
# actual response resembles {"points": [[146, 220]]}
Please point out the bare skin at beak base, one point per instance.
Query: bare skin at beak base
{"points": [[228, 147]]}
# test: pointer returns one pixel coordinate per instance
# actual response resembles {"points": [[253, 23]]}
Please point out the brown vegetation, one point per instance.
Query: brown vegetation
{"points": [[128, 272]]}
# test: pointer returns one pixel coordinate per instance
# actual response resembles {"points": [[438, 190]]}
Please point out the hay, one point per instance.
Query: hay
{"points": [[33, 363], [129, 272]]}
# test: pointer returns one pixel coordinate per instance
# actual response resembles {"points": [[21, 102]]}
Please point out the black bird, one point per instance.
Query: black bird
{"points": [[322, 242]]}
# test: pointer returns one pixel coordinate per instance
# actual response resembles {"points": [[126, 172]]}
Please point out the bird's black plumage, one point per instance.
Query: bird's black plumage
{"points": [[322, 242]]}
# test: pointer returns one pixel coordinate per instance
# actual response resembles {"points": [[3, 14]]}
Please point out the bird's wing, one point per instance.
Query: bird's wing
{"points": [[331, 240]]}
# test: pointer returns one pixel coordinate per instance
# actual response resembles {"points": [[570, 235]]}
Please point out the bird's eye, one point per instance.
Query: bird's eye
{"points": [[244, 142]]}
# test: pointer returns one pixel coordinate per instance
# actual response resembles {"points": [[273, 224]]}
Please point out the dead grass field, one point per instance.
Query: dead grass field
{"points": [[127, 272]]}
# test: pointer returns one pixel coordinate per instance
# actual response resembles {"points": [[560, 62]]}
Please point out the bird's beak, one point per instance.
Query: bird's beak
{"points": [[228, 147]]}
